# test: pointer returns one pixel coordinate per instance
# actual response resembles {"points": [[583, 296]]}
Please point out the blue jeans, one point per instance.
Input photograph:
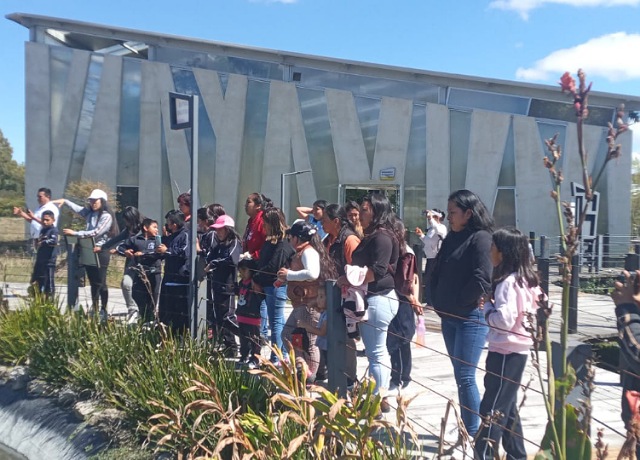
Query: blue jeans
{"points": [[465, 339], [276, 300], [382, 309], [264, 318]]}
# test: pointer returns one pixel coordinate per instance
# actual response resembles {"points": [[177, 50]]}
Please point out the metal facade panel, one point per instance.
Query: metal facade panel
{"points": [[226, 114], [63, 138], [38, 126], [350, 152], [392, 141], [101, 158], [438, 164], [489, 131]]}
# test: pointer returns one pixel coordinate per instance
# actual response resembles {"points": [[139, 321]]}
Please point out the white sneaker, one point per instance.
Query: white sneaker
{"points": [[132, 316]]}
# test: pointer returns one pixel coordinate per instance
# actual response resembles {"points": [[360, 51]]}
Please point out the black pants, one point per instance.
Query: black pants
{"points": [[426, 280], [249, 341], [98, 280], [224, 313], [146, 295], [43, 275], [501, 383], [399, 334], [173, 307]]}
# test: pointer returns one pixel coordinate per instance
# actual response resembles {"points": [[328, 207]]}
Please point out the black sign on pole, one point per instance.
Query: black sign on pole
{"points": [[183, 114]]}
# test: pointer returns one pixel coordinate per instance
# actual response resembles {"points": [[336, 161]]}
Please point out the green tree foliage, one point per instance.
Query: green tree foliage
{"points": [[11, 179]]}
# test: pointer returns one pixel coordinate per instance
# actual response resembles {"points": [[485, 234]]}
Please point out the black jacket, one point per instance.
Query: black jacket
{"points": [[176, 259], [462, 272], [150, 259], [336, 250], [272, 258], [47, 247], [223, 260], [249, 301]]}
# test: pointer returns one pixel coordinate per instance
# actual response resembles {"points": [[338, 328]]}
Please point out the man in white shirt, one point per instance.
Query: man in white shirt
{"points": [[431, 242], [44, 200]]}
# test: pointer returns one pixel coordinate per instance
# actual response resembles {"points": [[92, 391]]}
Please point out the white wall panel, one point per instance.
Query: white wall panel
{"points": [[392, 141]]}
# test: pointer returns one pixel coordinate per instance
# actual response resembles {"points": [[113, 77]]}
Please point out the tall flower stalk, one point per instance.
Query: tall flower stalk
{"points": [[570, 240]]}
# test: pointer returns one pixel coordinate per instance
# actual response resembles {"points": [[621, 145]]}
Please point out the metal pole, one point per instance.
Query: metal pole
{"points": [[72, 274], [573, 294], [282, 176], [193, 279], [337, 340]]}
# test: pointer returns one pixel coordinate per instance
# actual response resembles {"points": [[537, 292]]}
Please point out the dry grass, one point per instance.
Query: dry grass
{"points": [[12, 229]]}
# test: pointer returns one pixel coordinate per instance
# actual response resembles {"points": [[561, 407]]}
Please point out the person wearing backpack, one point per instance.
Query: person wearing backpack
{"points": [[403, 326]]}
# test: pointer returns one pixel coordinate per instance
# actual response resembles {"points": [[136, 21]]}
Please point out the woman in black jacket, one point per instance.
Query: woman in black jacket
{"points": [[274, 255], [222, 267], [462, 275]]}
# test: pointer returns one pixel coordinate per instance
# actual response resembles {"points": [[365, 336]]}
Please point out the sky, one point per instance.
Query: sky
{"points": [[520, 40]]}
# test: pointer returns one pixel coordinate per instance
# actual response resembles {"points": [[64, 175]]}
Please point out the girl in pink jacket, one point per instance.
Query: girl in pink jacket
{"points": [[515, 294]]}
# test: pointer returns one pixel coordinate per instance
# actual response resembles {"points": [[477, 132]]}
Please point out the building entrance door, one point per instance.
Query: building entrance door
{"points": [[356, 192]]}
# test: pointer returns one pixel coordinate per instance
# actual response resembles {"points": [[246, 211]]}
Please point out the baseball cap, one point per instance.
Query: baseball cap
{"points": [[97, 193], [223, 221]]}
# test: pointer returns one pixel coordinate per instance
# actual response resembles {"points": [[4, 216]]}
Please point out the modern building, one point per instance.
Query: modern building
{"points": [[97, 107]]}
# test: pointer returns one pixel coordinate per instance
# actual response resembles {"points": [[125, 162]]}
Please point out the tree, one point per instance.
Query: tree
{"points": [[11, 179]]}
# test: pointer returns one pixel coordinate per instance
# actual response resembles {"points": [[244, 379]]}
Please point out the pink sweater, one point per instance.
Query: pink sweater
{"points": [[506, 316]]}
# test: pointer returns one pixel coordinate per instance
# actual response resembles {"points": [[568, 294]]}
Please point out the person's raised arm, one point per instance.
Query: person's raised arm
{"points": [[304, 211]]}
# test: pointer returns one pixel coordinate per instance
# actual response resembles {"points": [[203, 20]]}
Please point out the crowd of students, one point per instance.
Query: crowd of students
{"points": [[480, 281]]}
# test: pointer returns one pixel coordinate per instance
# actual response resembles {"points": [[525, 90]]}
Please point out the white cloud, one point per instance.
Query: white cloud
{"points": [[524, 7], [613, 57]]}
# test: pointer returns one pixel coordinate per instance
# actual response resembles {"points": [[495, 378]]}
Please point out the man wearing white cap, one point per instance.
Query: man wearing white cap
{"points": [[101, 225]]}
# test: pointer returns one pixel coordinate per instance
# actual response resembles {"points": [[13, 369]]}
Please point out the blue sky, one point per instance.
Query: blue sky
{"points": [[523, 40]]}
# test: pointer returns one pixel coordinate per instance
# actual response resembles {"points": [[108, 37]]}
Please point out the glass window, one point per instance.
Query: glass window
{"points": [[129, 142], [226, 64], [504, 209], [415, 175], [127, 196], [367, 86], [598, 116], [460, 127], [495, 102], [508, 169]]}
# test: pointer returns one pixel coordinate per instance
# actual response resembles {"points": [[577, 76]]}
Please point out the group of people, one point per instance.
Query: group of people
{"points": [[480, 281]]}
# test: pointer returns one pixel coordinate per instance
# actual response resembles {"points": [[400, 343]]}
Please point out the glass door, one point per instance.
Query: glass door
{"points": [[356, 192]]}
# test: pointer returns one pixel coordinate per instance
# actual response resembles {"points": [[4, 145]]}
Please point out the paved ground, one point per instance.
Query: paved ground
{"points": [[434, 384]]}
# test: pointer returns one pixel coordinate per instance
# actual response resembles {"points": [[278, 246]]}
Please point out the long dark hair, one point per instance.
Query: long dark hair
{"points": [[480, 217], [382, 213], [277, 224], [335, 211], [261, 200], [516, 258], [399, 231], [307, 232], [104, 207], [132, 219]]}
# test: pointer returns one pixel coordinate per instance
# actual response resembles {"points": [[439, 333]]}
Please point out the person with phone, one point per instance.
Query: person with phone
{"points": [[626, 297], [35, 217]]}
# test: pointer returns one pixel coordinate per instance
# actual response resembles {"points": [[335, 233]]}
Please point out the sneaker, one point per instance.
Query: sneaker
{"points": [[393, 386], [103, 315], [252, 364], [405, 384], [132, 316]]}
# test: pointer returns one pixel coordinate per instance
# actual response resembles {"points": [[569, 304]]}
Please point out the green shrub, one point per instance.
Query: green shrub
{"points": [[22, 329], [65, 336]]}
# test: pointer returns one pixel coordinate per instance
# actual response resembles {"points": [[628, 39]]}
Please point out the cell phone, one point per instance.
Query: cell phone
{"points": [[158, 240], [634, 280]]}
